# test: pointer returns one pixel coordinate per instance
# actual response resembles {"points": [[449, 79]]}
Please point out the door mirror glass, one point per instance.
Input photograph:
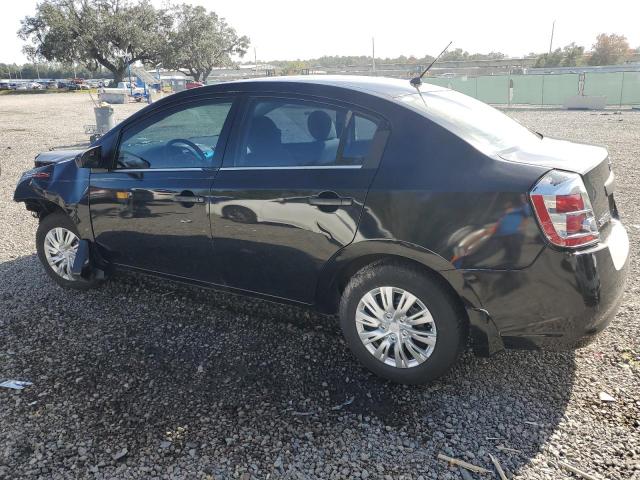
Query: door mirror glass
{"points": [[91, 158]]}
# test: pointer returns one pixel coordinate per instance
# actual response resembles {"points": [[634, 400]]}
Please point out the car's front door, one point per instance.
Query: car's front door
{"points": [[291, 192], [150, 210]]}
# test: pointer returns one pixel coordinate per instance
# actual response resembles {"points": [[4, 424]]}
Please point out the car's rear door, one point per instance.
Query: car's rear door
{"points": [[151, 210], [291, 192]]}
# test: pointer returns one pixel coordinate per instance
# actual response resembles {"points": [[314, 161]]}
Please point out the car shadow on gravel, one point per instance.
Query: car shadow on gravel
{"points": [[165, 369]]}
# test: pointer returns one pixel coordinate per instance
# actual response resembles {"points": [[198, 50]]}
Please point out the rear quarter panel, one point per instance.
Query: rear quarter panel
{"points": [[435, 190]]}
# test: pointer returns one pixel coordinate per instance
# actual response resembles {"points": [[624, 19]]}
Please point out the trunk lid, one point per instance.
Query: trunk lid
{"points": [[590, 161]]}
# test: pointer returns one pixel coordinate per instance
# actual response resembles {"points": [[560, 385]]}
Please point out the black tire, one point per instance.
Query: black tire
{"points": [[449, 319], [51, 221], [239, 214]]}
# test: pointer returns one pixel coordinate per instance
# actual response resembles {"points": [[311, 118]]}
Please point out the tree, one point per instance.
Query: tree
{"points": [[609, 49], [200, 41], [567, 56], [572, 55], [459, 54], [552, 59], [110, 33]]}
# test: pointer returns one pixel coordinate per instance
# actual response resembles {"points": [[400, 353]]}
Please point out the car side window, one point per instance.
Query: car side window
{"points": [[184, 138], [358, 139], [293, 133]]}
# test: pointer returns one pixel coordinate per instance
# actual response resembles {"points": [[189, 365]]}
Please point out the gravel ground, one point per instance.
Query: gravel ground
{"points": [[141, 379]]}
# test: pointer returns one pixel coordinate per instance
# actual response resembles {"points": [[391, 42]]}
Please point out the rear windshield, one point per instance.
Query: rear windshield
{"points": [[484, 127]]}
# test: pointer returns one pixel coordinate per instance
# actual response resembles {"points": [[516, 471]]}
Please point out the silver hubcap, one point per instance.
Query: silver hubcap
{"points": [[395, 327], [60, 247]]}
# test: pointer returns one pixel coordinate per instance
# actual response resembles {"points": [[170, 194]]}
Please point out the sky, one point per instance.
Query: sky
{"points": [[298, 29]]}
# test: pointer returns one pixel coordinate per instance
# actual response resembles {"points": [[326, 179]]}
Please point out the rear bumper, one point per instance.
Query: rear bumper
{"points": [[562, 301]]}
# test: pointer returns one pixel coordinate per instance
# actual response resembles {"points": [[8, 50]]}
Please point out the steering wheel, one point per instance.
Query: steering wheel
{"points": [[139, 161], [195, 149]]}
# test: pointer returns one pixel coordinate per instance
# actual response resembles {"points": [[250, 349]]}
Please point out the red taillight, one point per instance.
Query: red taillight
{"points": [[562, 205], [569, 203], [41, 175]]}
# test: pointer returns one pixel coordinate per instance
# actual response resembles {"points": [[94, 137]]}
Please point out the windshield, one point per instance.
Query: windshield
{"points": [[484, 127]]}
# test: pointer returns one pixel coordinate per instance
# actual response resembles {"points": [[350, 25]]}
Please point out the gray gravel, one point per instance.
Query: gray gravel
{"points": [[142, 379]]}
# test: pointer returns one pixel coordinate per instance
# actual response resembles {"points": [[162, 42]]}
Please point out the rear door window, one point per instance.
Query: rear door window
{"points": [[358, 139], [301, 133]]}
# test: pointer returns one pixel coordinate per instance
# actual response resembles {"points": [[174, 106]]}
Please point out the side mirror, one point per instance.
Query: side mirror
{"points": [[91, 158]]}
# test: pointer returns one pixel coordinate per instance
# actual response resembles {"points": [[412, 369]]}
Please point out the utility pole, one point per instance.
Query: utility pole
{"points": [[373, 53], [255, 60], [553, 27], [130, 79]]}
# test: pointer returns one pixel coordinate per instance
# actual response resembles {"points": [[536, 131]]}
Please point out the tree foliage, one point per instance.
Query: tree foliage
{"points": [[460, 55], [365, 60], [200, 41], [49, 70], [111, 33], [609, 49], [568, 56]]}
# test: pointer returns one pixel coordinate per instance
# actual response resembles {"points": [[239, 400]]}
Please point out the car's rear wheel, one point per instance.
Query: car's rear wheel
{"points": [[57, 242], [402, 323]]}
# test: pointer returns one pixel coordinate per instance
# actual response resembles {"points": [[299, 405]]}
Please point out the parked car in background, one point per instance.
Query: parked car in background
{"points": [[131, 87], [422, 217], [190, 85]]}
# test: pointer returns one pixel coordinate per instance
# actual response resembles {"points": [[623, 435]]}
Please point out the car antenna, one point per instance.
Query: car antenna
{"points": [[417, 81]]}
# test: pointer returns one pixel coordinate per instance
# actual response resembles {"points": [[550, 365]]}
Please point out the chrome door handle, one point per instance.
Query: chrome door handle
{"points": [[330, 202], [188, 199]]}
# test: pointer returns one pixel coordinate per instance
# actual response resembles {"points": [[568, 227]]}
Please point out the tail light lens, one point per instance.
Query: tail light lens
{"points": [[564, 211], [40, 175]]}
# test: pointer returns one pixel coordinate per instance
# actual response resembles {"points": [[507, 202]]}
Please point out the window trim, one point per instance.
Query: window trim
{"points": [[147, 170], [237, 138], [223, 138], [296, 167]]}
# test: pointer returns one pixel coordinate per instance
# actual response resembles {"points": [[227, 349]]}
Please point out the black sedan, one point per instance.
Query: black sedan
{"points": [[422, 217]]}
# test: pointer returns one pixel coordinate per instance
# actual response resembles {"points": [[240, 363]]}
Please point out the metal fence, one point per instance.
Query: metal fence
{"points": [[619, 88]]}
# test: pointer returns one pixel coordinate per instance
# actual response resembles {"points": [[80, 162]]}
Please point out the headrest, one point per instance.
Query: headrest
{"points": [[263, 132], [319, 124]]}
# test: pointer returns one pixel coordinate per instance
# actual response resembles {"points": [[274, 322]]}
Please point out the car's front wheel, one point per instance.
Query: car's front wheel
{"points": [[401, 323], [57, 243]]}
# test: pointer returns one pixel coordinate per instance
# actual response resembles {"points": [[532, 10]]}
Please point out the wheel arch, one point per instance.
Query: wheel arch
{"points": [[341, 267], [337, 272], [41, 207]]}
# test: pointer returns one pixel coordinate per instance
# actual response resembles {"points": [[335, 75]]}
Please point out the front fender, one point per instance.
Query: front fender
{"points": [[66, 187]]}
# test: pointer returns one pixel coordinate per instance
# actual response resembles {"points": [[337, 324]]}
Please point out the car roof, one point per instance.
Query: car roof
{"points": [[380, 86]]}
